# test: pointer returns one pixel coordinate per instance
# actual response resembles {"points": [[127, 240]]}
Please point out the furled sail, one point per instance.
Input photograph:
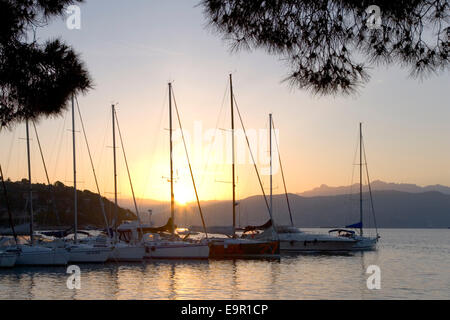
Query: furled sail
{"points": [[165, 228], [265, 226], [356, 225]]}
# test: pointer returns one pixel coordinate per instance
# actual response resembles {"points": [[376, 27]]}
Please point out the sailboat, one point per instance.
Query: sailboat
{"points": [[82, 252], [293, 240], [8, 257], [78, 251], [363, 243], [234, 247], [30, 253], [132, 250], [174, 247]]}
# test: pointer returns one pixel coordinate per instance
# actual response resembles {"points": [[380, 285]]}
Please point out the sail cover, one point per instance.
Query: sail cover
{"points": [[356, 225], [265, 226], [166, 228]]}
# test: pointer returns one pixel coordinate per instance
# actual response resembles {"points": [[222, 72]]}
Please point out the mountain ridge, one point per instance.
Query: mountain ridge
{"points": [[394, 209], [376, 185]]}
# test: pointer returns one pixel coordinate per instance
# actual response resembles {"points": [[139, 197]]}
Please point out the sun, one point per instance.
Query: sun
{"points": [[183, 196]]}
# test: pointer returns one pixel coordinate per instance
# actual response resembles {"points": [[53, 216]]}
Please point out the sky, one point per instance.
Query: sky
{"points": [[134, 48]]}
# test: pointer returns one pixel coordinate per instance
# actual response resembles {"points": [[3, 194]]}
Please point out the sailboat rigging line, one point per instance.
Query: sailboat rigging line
{"points": [[154, 145], [30, 186], [51, 154], [103, 173], [172, 196], [116, 207], [60, 145], [75, 210], [215, 135], [370, 188], [350, 197], [10, 151], [360, 181], [190, 167], [46, 174], [282, 174], [8, 208], [233, 156], [102, 204], [253, 158], [128, 169]]}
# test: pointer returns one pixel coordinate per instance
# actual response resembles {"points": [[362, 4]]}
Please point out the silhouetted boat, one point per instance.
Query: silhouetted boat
{"points": [[363, 243], [82, 253], [292, 240], [173, 247], [239, 247], [123, 251], [32, 254]]}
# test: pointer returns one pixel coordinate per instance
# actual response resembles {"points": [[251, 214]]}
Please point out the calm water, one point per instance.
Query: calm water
{"points": [[415, 264]]}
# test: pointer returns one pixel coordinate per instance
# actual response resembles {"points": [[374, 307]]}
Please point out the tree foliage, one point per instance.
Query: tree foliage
{"points": [[36, 79], [89, 209], [328, 45]]}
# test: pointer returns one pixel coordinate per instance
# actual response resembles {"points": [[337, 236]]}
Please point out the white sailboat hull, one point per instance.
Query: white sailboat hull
{"points": [[316, 246], [7, 259], [127, 253], [88, 254], [293, 240], [309, 242], [176, 250], [365, 244], [41, 256]]}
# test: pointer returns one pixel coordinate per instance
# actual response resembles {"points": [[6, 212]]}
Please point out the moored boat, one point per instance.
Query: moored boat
{"points": [[243, 249], [157, 248], [362, 242], [32, 254], [293, 240], [35, 255], [165, 242], [234, 247], [82, 252], [8, 258], [86, 253], [126, 252]]}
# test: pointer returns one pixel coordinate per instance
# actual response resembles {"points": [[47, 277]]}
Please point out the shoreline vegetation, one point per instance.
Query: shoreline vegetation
{"points": [[57, 198]]}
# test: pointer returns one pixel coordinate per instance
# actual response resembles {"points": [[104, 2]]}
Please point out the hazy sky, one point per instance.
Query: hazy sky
{"points": [[133, 48]]}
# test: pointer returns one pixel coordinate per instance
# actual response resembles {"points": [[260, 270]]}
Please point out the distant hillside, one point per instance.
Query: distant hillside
{"points": [[376, 185], [394, 209], [89, 209]]}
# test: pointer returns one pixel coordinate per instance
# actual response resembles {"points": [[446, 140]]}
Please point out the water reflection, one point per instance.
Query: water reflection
{"points": [[412, 267]]}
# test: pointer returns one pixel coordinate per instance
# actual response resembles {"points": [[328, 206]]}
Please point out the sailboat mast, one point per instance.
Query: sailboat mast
{"points": [[8, 208], [172, 196], [271, 167], [233, 169], [116, 215], [282, 173], [29, 183], [102, 204], [75, 210], [360, 181]]}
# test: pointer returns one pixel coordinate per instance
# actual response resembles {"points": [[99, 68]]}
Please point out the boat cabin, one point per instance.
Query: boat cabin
{"points": [[345, 233]]}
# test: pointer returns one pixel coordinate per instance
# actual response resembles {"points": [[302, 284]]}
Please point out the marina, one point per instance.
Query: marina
{"points": [[410, 271], [134, 242], [224, 150]]}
